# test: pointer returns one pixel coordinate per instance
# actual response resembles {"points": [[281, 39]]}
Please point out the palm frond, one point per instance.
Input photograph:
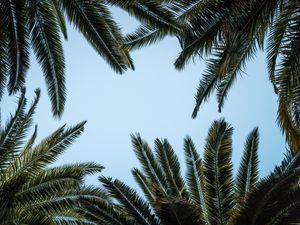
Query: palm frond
{"points": [[267, 202], [47, 46], [137, 208], [60, 18], [15, 22], [195, 176], [218, 172], [169, 162], [247, 175], [149, 163], [178, 211], [7, 133], [102, 212], [152, 13], [92, 18], [145, 185]]}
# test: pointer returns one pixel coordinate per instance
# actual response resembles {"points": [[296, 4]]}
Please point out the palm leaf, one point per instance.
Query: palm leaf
{"points": [[145, 185], [177, 211], [248, 171], [91, 18], [133, 204], [47, 46], [171, 167], [60, 18], [149, 163], [15, 22], [218, 172], [195, 176]]}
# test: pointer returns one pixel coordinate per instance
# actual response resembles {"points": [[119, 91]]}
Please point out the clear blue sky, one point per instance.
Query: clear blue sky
{"points": [[154, 100]]}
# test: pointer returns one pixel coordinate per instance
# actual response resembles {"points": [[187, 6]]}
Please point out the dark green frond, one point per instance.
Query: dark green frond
{"points": [[240, 50], [270, 201], [60, 18], [47, 46], [7, 137], [3, 58], [152, 13], [218, 172], [143, 35], [169, 162], [195, 176], [14, 17], [145, 185], [94, 21], [206, 87], [178, 211], [134, 205], [149, 163], [247, 175]]}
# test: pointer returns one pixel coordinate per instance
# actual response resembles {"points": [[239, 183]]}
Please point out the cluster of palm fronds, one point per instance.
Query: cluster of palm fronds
{"points": [[209, 195], [230, 32], [31, 192], [36, 24]]}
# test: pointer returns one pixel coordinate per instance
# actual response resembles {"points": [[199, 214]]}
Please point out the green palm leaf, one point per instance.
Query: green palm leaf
{"points": [[145, 185], [31, 192], [218, 172], [177, 211], [195, 176], [92, 18], [47, 46], [14, 20], [149, 163], [129, 199], [171, 167], [247, 175]]}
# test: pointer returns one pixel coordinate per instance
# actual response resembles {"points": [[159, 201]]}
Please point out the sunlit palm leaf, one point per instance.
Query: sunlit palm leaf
{"points": [[218, 172]]}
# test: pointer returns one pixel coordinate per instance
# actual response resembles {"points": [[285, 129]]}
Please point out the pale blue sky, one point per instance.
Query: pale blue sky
{"points": [[154, 100]]}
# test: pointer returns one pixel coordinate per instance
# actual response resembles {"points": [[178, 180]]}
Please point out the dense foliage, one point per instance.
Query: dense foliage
{"points": [[230, 32], [32, 192], [208, 194], [26, 24]]}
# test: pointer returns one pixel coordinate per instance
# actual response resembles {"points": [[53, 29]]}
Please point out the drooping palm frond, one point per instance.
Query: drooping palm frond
{"points": [[60, 18], [31, 192], [253, 21], [178, 211], [46, 43], [236, 29], [14, 18], [39, 24], [152, 13]]}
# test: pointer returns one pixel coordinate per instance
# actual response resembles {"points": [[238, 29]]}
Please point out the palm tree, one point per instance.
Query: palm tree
{"points": [[230, 32], [39, 24], [209, 194], [32, 192]]}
